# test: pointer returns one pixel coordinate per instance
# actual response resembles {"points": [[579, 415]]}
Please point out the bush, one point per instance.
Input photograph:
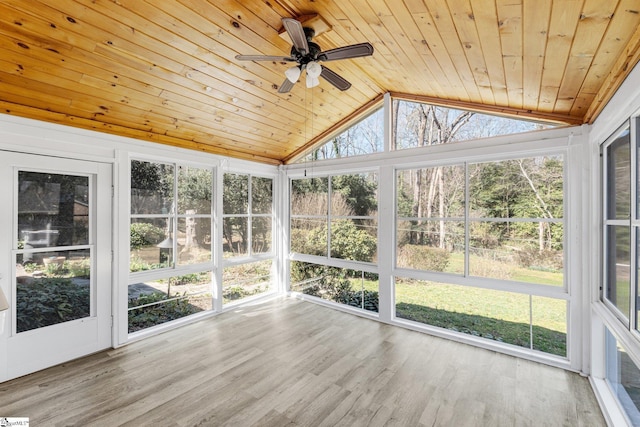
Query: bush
{"points": [[144, 234], [346, 295], [47, 301], [541, 260], [347, 241], [423, 257], [350, 242], [332, 284], [145, 317]]}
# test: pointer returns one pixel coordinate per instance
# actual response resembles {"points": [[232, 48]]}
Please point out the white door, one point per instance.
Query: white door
{"points": [[55, 260]]}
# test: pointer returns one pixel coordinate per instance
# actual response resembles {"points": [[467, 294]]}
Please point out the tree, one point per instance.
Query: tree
{"points": [[151, 187], [235, 201], [364, 137], [428, 125], [358, 190]]}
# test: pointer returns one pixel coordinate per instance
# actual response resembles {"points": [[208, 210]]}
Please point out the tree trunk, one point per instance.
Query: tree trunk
{"points": [[441, 206], [394, 125], [541, 236]]}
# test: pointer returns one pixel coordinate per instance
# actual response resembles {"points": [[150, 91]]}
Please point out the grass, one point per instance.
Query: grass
{"points": [[485, 267], [497, 315], [491, 314], [519, 319]]}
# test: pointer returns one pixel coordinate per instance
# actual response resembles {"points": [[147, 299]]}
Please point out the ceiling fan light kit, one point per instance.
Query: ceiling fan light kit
{"points": [[308, 55], [293, 74], [312, 81], [314, 69]]}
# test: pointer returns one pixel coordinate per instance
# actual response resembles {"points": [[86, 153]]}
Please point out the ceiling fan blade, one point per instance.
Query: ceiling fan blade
{"points": [[346, 52], [296, 32], [286, 86], [334, 78], [264, 58]]}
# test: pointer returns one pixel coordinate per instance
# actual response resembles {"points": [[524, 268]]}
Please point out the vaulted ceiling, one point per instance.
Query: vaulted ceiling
{"points": [[165, 71]]}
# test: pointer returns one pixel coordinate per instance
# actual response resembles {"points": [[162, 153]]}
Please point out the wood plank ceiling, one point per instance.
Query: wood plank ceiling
{"points": [[165, 71]]}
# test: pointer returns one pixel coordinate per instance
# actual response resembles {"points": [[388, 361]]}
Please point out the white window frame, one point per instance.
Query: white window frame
{"points": [[631, 223], [250, 256], [174, 270], [328, 260]]}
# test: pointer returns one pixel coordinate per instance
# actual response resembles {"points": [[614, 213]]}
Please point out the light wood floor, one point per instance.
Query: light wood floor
{"points": [[288, 362]]}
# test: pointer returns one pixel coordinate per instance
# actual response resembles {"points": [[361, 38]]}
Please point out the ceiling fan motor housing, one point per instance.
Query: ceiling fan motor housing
{"points": [[314, 49]]}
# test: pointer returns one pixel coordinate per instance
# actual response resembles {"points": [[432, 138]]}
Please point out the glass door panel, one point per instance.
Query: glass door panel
{"points": [[53, 281], [56, 263]]}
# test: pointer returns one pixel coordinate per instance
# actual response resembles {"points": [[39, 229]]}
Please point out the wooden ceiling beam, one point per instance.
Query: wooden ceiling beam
{"points": [[357, 115], [516, 113]]}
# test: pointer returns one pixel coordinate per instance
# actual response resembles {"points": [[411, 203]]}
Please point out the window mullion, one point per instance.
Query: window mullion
{"points": [[249, 215], [329, 218], [466, 219], [633, 229]]}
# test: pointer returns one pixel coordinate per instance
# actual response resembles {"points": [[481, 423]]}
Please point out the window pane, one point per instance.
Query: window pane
{"points": [[354, 288], [623, 376], [637, 284], [618, 285], [529, 252], [309, 236], [354, 195], [261, 195], [354, 239], [158, 301], [52, 287], [151, 187], [53, 210], [486, 313], [619, 177], [309, 196], [414, 123], [246, 280], [549, 325], [431, 245], [521, 188], [431, 192], [235, 194], [194, 190], [234, 240], [151, 244], [194, 240], [261, 234], [364, 137]]}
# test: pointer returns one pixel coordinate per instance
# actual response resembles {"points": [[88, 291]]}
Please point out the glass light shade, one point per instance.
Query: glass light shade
{"points": [[4, 304], [293, 74], [314, 69], [312, 81]]}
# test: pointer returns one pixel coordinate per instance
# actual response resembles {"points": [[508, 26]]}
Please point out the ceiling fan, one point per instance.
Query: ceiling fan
{"points": [[308, 56]]}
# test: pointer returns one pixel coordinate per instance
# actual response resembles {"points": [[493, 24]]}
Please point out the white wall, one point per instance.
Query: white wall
{"points": [[35, 137], [569, 141], [624, 104]]}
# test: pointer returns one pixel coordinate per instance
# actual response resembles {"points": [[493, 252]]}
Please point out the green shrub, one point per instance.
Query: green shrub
{"points": [[47, 301], [144, 234], [191, 278], [347, 241], [423, 257], [545, 260], [332, 284], [145, 317], [350, 242], [344, 294]]}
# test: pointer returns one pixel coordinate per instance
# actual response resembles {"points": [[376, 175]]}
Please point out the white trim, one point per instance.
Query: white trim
{"points": [[489, 149], [609, 405]]}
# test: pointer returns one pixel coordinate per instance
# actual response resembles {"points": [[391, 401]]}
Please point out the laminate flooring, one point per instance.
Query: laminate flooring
{"points": [[286, 362]]}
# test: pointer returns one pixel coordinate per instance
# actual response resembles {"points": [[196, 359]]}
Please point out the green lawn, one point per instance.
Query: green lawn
{"points": [[484, 267], [498, 315]]}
